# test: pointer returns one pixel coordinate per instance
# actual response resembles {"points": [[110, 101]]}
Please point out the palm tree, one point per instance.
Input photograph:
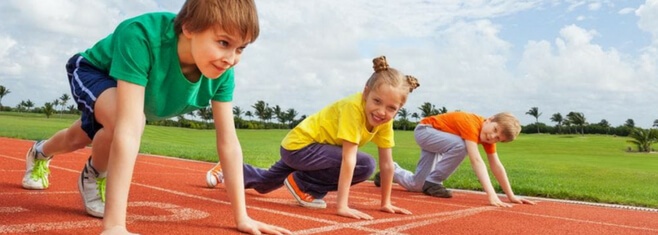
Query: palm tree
{"points": [[290, 116], [643, 139], [237, 112], [29, 104], [260, 109], [48, 109], [655, 123], [415, 116], [428, 109], [534, 111], [630, 123], [63, 100], [249, 114], [403, 113], [577, 119], [3, 92], [557, 117], [605, 124], [205, 114]]}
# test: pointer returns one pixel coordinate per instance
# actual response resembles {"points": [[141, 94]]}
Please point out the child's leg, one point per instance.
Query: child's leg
{"points": [[265, 181], [440, 151], [452, 149], [66, 140], [318, 168]]}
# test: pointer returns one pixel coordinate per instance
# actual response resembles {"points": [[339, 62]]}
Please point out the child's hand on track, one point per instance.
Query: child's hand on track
{"points": [[393, 209], [520, 200], [352, 213], [256, 227]]}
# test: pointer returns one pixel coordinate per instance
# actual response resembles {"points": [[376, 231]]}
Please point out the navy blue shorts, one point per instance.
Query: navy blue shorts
{"points": [[87, 83]]}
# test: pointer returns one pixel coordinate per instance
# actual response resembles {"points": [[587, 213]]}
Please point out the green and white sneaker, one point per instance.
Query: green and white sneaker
{"points": [[92, 189], [36, 169]]}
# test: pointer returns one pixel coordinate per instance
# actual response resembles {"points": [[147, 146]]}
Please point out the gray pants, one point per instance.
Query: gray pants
{"points": [[441, 153]]}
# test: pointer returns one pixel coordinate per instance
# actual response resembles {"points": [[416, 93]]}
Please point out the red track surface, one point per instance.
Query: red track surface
{"points": [[168, 196]]}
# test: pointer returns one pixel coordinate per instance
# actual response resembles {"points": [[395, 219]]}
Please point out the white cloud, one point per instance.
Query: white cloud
{"points": [[318, 51]]}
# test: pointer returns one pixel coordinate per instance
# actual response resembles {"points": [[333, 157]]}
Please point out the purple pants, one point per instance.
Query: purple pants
{"points": [[315, 168]]}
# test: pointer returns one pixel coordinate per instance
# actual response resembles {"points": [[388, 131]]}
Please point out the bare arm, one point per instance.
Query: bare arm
{"points": [[230, 155], [345, 181], [501, 176], [386, 169], [128, 130], [480, 169]]}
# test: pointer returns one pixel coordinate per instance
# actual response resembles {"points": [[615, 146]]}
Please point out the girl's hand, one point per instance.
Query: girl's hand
{"points": [[520, 200], [495, 201], [251, 226], [393, 209], [352, 213]]}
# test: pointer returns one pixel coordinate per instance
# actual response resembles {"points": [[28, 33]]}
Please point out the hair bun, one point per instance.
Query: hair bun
{"points": [[379, 63], [412, 81]]}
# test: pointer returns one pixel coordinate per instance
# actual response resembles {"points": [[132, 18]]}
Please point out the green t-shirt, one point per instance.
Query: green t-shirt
{"points": [[143, 50], [343, 120]]}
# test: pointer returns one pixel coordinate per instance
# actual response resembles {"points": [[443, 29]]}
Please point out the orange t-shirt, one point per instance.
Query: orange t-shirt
{"points": [[463, 124]]}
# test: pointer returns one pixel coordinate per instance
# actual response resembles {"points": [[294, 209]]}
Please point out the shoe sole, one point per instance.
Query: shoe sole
{"points": [[299, 200], [213, 180], [84, 201]]}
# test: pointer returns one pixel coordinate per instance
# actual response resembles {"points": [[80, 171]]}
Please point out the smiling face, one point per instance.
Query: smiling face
{"points": [[213, 50], [491, 132], [382, 104]]}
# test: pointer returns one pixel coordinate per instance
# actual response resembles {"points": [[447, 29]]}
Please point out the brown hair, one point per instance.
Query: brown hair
{"points": [[384, 74], [510, 127], [233, 16]]}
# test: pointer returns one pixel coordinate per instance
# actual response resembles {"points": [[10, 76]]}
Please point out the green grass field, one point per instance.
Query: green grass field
{"points": [[592, 168]]}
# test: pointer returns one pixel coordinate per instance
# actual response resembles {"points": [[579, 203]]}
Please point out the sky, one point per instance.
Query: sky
{"points": [[597, 57]]}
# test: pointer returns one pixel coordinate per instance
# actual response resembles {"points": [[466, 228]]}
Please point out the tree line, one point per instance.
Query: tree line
{"points": [[264, 116]]}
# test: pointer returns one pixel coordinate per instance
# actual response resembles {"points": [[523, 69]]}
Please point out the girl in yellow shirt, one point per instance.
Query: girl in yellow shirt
{"points": [[321, 153]]}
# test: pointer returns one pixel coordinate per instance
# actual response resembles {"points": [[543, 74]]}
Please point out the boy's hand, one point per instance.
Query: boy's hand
{"points": [[352, 213], [520, 200], [251, 226], [495, 201], [393, 209]]}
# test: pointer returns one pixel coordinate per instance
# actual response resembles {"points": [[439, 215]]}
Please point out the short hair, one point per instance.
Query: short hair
{"points": [[508, 124], [233, 16], [384, 74]]}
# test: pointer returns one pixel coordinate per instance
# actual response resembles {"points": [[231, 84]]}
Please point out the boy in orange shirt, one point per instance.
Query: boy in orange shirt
{"points": [[446, 139]]}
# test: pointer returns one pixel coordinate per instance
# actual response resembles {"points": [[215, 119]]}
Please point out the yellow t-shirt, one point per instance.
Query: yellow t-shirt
{"points": [[343, 120]]}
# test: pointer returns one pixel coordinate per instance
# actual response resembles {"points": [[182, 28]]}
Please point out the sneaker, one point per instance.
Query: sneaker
{"points": [[304, 199], [377, 180], [436, 190], [36, 169], [214, 176], [92, 189]]}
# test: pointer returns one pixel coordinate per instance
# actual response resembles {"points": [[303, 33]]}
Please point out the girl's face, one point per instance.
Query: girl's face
{"points": [[214, 51], [381, 105]]}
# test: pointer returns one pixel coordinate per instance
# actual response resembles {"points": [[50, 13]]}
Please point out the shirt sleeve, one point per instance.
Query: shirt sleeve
{"points": [[131, 57]]}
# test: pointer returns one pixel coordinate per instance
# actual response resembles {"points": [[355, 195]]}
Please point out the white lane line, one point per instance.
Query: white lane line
{"points": [[416, 221]]}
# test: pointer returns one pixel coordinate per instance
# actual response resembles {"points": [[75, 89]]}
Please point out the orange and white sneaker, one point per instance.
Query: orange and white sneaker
{"points": [[304, 199], [215, 176]]}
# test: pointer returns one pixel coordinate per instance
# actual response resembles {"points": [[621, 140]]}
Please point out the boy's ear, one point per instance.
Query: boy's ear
{"points": [[186, 32]]}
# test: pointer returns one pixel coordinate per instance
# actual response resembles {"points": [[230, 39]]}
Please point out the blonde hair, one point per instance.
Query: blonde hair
{"points": [[510, 127], [385, 75], [232, 16]]}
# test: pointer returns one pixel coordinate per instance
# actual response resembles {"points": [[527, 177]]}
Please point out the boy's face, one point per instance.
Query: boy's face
{"points": [[491, 133], [381, 105], [214, 51]]}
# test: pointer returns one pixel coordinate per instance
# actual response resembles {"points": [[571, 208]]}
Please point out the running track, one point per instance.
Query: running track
{"points": [[168, 196]]}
